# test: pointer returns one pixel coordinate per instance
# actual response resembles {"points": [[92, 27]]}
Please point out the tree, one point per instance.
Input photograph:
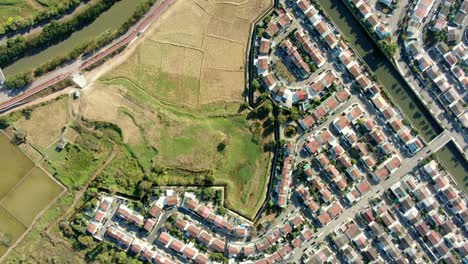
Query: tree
{"points": [[144, 186], [27, 113], [264, 110], [4, 122], [85, 241], [255, 84], [208, 180], [223, 144], [218, 257], [20, 137]]}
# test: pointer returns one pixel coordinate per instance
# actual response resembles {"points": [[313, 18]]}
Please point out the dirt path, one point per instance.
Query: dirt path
{"points": [[78, 195], [35, 5]]}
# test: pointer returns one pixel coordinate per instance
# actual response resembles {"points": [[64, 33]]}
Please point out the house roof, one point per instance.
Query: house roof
{"points": [[193, 230], [155, 210], [324, 218], [181, 223], [176, 245], [335, 209], [201, 259], [164, 238], [264, 46], [218, 245], [205, 237]]}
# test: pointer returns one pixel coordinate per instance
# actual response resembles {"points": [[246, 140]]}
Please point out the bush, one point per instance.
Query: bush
{"points": [[19, 81], [16, 23]]}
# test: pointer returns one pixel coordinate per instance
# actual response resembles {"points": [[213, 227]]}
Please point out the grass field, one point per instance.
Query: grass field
{"points": [[75, 164], [189, 76], [13, 165], [31, 195], [25, 191], [38, 248], [16, 8], [23, 8], [43, 130], [174, 145], [196, 54], [10, 230]]}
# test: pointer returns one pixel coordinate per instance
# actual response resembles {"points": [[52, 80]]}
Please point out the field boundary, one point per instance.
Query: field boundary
{"points": [[30, 226], [39, 215]]}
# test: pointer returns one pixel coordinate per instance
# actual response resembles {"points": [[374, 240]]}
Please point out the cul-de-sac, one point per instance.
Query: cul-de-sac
{"points": [[233, 131]]}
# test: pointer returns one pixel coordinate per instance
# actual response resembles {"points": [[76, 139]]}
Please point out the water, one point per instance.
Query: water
{"points": [[455, 164], [402, 94], [386, 74], [108, 21]]}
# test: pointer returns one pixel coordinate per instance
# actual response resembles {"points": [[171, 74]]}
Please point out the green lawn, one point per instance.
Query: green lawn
{"points": [[15, 8], [186, 151], [75, 164], [31, 195]]}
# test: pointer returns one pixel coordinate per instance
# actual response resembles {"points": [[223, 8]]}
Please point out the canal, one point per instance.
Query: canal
{"points": [[450, 157], [387, 75], [455, 164], [107, 22]]}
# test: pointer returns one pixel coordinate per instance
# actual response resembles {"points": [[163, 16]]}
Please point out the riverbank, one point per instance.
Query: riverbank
{"points": [[107, 23], [403, 96]]}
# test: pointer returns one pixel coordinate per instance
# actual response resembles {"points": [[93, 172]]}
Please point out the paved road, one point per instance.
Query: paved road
{"points": [[408, 166], [66, 71]]}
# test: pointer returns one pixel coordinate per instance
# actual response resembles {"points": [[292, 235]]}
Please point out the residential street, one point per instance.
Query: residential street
{"points": [[407, 166]]}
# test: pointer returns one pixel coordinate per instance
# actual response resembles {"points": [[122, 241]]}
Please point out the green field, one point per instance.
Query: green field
{"points": [[25, 9], [179, 146], [31, 195], [13, 165], [38, 248], [75, 164], [25, 190], [16, 8], [10, 230]]}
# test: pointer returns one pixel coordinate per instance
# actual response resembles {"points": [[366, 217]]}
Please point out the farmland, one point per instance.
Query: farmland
{"points": [[189, 76], [15, 8], [177, 146], [171, 111], [25, 191]]}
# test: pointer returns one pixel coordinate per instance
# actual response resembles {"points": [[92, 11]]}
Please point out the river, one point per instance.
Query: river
{"points": [[107, 22], [395, 85]]}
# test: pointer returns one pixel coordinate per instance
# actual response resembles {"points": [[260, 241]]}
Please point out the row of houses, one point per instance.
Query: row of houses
{"points": [[324, 109], [435, 211], [369, 16], [186, 251], [428, 70], [384, 108], [191, 203], [390, 235], [283, 188], [288, 237]]}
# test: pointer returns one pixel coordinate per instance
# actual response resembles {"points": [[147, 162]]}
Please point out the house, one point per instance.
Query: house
{"points": [[307, 122], [424, 62], [164, 238], [335, 209], [149, 224], [264, 46]]}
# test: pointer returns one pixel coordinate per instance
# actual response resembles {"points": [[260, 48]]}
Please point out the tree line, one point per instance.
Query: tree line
{"points": [[18, 22], [51, 34], [23, 79]]}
